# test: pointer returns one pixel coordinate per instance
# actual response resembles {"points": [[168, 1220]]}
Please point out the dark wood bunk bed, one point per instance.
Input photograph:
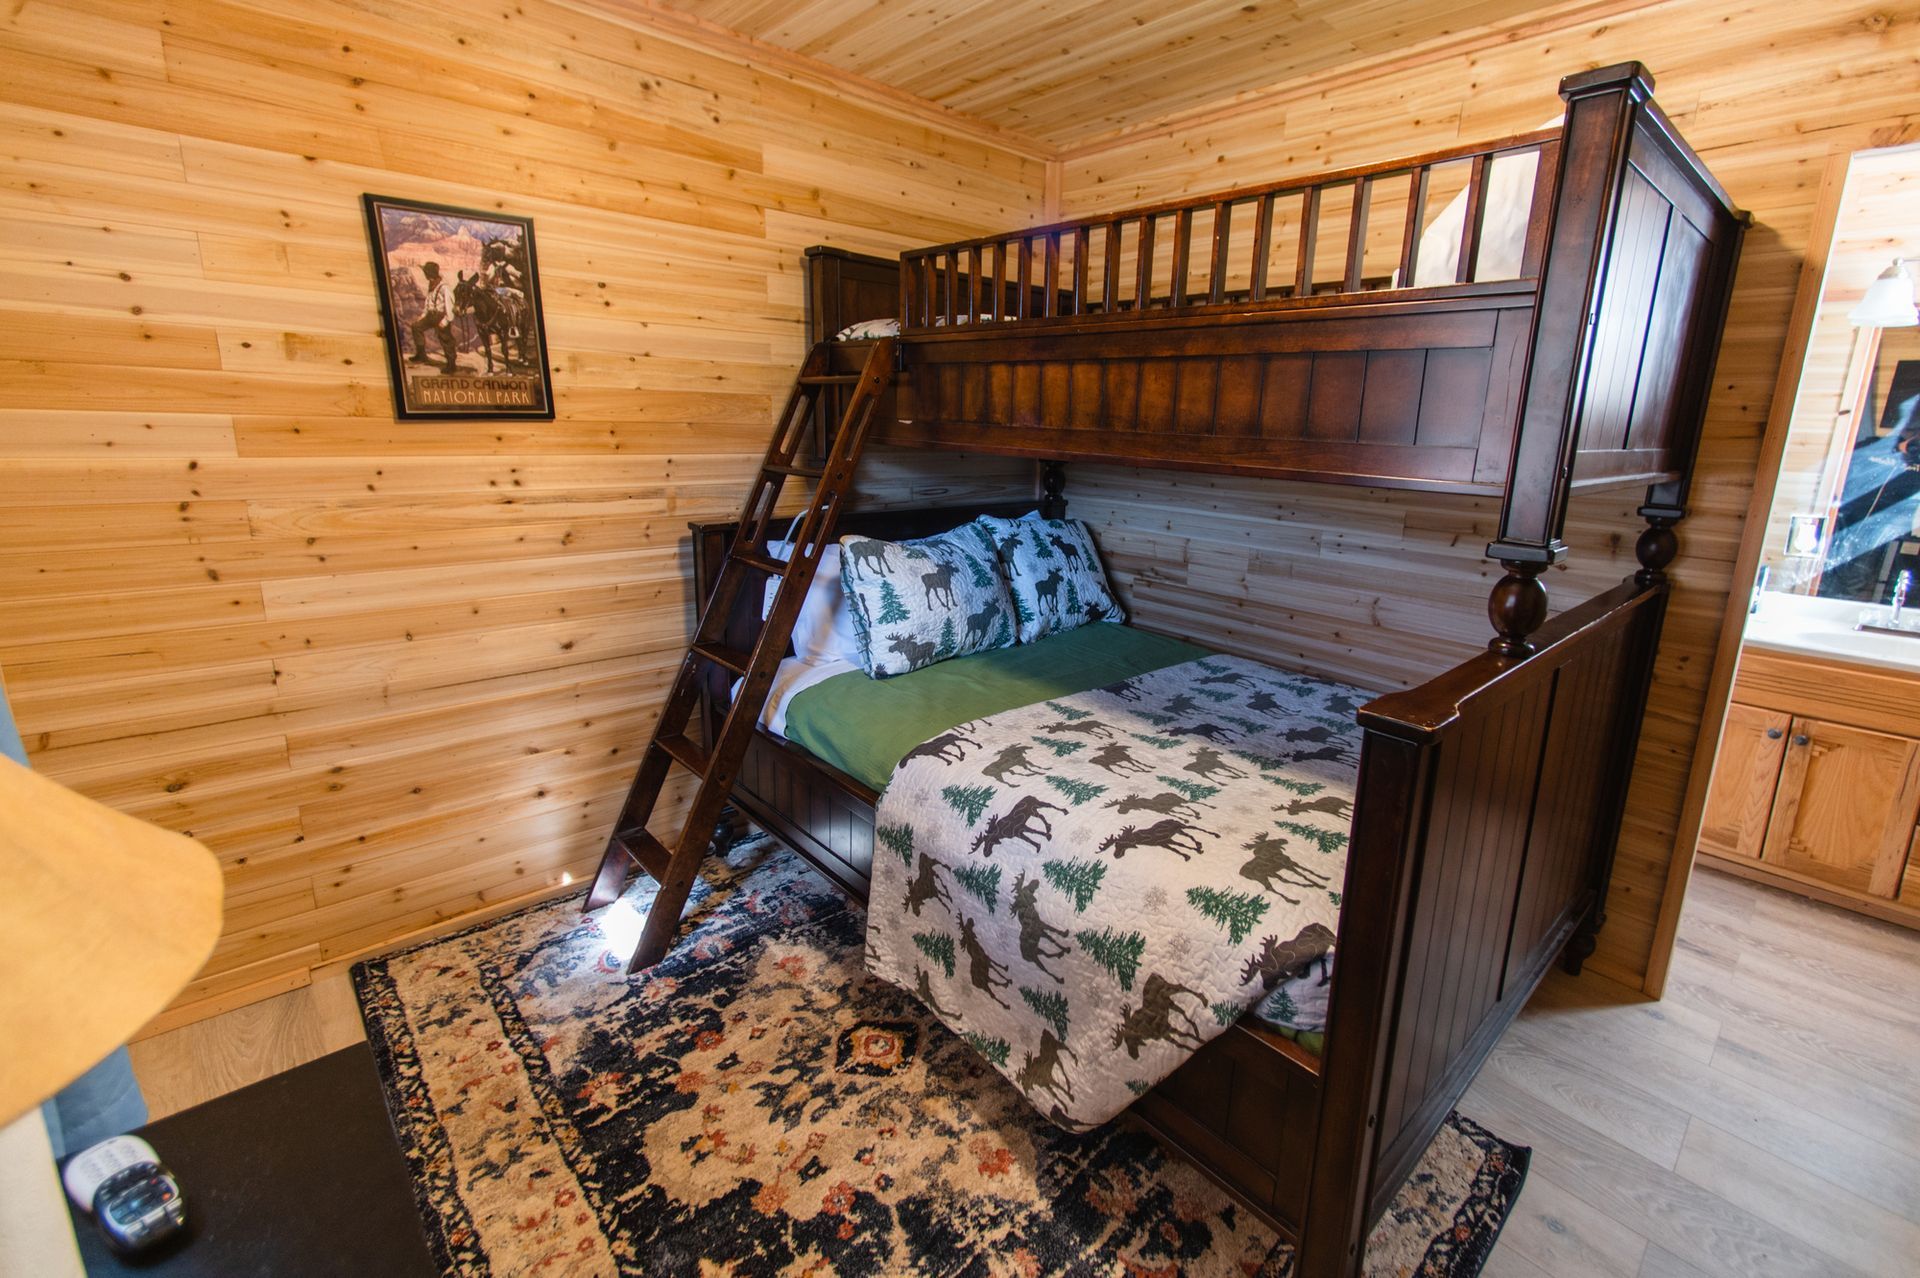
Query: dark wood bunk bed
{"points": [[1489, 797]]}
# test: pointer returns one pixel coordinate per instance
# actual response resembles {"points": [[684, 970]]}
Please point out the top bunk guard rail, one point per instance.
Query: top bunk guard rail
{"points": [[1553, 325], [1144, 258]]}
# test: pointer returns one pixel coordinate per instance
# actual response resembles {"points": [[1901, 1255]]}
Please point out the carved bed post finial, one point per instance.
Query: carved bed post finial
{"points": [[1658, 545], [1517, 607], [1053, 482]]}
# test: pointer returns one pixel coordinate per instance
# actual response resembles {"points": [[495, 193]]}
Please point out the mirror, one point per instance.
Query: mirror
{"points": [[1845, 520], [1874, 528]]}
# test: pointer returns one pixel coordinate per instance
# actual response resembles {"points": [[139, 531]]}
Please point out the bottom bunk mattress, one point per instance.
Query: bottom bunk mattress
{"points": [[1105, 840]]}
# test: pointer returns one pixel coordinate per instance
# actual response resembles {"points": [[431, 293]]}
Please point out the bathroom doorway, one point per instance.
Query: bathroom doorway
{"points": [[1815, 786]]}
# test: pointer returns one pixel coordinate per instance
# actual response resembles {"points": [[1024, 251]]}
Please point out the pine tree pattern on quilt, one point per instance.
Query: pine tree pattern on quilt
{"points": [[1090, 888]]}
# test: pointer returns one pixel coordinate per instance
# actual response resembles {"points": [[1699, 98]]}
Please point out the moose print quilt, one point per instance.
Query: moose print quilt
{"points": [[1089, 889]]}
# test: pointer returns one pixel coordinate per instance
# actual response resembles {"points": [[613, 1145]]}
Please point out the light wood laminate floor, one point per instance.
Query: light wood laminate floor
{"points": [[1764, 1119]]}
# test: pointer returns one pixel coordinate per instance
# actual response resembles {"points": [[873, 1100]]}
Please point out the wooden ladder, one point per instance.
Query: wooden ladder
{"points": [[717, 765]]}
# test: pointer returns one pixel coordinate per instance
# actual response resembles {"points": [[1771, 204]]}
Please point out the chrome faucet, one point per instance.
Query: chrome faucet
{"points": [[1901, 584]]}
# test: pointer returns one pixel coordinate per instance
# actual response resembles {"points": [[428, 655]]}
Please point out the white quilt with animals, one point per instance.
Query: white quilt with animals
{"points": [[1089, 889]]}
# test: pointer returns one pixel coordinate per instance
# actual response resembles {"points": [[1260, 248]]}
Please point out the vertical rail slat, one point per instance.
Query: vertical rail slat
{"points": [[1475, 220], [1217, 264], [999, 280], [1051, 281], [926, 290], [1082, 249], [1143, 269], [950, 301], [1023, 303], [1545, 174], [1182, 247], [1110, 294], [1309, 233], [973, 285], [909, 292], [1416, 217], [1357, 234], [1262, 247]]}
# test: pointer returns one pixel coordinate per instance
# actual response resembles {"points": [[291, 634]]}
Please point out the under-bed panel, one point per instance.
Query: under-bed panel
{"points": [[1248, 1107], [782, 788]]}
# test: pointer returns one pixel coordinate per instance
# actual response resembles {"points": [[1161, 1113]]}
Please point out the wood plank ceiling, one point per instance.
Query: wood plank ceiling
{"points": [[1067, 71]]}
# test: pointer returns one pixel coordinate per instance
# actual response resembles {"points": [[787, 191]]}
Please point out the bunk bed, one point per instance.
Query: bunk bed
{"points": [[1489, 798]]}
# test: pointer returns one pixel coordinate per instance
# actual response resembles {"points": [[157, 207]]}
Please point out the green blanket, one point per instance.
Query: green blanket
{"points": [[865, 726]]}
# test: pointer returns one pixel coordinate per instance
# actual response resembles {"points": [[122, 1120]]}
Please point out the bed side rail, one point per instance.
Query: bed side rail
{"points": [[1490, 800], [1349, 231]]}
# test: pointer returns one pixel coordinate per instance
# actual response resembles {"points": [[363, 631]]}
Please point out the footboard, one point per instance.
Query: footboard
{"points": [[1490, 799]]}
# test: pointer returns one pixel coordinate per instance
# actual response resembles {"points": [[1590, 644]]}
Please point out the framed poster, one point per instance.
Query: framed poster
{"points": [[460, 297]]}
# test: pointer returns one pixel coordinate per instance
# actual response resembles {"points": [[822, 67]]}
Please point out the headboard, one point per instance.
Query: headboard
{"points": [[844, 288]]}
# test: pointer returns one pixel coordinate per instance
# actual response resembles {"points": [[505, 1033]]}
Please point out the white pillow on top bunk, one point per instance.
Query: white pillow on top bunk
{"points": [[825, 630], [1053, 570], [923, 601], [867, 330]]}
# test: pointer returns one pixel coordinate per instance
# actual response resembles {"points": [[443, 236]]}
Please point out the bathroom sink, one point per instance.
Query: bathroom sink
{"points": [[1880, 620]]}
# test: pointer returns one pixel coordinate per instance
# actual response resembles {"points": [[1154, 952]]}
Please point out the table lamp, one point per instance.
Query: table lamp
{"points": [[103, 919]]}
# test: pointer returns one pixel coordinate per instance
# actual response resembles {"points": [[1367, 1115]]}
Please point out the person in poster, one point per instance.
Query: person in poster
{"points": [[436, 322]]}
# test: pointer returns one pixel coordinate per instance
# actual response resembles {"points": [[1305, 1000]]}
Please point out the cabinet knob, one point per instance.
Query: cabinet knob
{"points": [[1774, 734], [1801, 739]]}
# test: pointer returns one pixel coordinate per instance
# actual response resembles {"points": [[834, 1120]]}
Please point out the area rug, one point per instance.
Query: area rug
{"points": [[757, 1104]]}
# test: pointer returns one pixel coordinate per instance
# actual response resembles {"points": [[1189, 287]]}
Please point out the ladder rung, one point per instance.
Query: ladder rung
{"points": [[765, 563], [804, 472], [831, 379], [720, 654], [686, 752], [645, 851]]}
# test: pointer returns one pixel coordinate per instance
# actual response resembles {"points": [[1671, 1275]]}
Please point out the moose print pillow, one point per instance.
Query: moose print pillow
{"points": [[1053, 571], [918, 602]]}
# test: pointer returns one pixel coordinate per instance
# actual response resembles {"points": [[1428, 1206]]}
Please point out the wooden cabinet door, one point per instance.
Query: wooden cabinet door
{"points": [[1740, 795], [1845, 807]]}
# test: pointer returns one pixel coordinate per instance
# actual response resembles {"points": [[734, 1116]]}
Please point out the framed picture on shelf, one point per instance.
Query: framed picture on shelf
{"points": [[460, 299]]}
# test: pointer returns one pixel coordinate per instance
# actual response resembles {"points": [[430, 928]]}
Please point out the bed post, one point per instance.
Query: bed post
{"points": [[1053, 483], [1601, 109]]}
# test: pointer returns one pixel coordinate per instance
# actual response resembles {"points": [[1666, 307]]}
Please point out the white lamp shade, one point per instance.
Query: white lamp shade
{"points": [[1889, 301]]}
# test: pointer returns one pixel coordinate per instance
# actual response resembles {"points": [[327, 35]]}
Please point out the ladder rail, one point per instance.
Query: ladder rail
{"points": [[675, 866], [756, 512]]}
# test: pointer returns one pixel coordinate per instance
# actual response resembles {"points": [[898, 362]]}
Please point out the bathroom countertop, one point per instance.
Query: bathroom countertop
{"points": [[1824, 628]]}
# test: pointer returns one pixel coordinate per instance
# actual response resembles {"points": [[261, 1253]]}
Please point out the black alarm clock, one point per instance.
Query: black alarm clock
{"points": [[130, 1194]]}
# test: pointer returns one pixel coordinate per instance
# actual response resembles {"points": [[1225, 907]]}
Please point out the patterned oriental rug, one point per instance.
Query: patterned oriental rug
{"points": [[757, 1104]]}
